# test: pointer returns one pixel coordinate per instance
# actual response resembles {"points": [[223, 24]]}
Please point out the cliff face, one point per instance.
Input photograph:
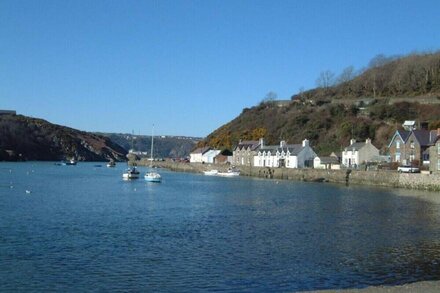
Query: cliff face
{"points": [[25, 138]]}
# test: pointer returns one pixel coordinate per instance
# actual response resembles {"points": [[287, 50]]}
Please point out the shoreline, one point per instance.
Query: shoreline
{"points": [[421, 286], [392, 179]]}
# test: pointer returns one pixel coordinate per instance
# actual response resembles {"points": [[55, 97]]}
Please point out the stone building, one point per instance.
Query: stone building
{"points": [[396, 146], [243, 154]]}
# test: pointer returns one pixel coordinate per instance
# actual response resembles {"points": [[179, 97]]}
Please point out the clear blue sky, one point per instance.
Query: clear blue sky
{"points": [[188, 66]]}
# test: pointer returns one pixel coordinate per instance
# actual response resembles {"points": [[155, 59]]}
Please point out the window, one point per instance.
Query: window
{"points": [[397, 144], [411, 144]]}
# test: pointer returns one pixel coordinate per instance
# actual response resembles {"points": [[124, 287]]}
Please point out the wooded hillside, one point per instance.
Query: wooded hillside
{"points": [[371, 105]]}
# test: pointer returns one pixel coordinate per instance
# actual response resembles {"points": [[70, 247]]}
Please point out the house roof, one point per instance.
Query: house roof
{"points": [[356, 146], [201, 150], [403, 134], [252, 144], [329, 160], [425, 137], [294, 149]]}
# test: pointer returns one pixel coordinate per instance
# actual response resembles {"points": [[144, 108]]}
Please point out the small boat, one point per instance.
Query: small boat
{"points": [[211, 172], [71, 162], [152, 176], [111, 164], [231, 172], [131, 173]]}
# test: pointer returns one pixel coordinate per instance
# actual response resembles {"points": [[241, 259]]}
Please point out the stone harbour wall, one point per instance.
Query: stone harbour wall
{"points": [[373, 178]]}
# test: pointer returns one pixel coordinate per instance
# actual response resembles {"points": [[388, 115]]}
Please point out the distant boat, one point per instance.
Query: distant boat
{"points": [[111, 164], [152, 176], [211, 172], [131, 173], [231, 172], [71, 162]]}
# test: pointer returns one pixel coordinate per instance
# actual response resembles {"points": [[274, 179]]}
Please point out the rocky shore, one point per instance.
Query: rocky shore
{"points": [[374, 178]]}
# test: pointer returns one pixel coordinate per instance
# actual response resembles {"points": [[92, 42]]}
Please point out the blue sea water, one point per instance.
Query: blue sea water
{"points": [[82, 228]]}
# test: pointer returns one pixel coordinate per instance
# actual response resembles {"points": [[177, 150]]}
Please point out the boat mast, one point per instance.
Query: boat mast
{"points": [[152, 135]]}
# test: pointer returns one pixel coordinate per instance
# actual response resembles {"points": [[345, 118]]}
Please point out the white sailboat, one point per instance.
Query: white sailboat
{"points": [[131, 173], [152, 176]]}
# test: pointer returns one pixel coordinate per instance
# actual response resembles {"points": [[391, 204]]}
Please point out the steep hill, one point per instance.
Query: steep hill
{"points": [[25, 138], [370, 105]]}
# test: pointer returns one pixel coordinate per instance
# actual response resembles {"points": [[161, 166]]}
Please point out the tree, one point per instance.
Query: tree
{"points": [[346, 75], [325, 79]]}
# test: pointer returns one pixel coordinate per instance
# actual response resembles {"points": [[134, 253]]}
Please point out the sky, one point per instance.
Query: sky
{"points": [[188, 67]]}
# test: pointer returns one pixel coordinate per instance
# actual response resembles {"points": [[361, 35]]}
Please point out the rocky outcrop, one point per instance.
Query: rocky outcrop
{"points": [[25, 138]]}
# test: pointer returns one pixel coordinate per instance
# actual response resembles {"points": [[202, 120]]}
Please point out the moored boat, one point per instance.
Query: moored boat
{"points": [[131, 173], [211, 172], [71, 162], [153, 177], [231, 172], [111, 164]]}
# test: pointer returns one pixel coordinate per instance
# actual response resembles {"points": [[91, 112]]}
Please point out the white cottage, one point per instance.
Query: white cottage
{"points": [[208, 157], [359, 153], [284, 155], [197, 155]]}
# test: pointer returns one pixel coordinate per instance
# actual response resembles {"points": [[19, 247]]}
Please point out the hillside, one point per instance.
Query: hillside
{"points": [[164, 146], [25, 138], [370, 105]]}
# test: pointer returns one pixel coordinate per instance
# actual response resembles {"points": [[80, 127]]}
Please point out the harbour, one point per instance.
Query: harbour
{"points": [[84, 228]]}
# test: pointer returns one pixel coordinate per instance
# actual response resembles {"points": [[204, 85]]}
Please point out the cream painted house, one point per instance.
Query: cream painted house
{"points": [[284, 155], [359, 153]]}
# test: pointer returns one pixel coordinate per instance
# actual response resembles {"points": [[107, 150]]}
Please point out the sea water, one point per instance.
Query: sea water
{"points": [[82, 228]]}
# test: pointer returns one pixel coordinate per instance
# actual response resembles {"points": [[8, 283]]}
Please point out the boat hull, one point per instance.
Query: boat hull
{"points": [[153, 177]]}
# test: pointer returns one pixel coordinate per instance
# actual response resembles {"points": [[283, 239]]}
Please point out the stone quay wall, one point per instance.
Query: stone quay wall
{"points": [[373, 178]]}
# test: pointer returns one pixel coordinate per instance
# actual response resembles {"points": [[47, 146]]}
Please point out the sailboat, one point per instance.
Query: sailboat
{"points": [[152, 176], [131, 173]]}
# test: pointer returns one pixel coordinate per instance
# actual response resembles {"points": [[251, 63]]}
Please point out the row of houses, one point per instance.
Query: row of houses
{"points": [[407, 147], [257, 154]]}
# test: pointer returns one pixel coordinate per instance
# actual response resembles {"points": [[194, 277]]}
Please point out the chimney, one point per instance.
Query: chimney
{"points": [[261, 142], [368, 140], [352, 141], [305, 142], [282, 143]]}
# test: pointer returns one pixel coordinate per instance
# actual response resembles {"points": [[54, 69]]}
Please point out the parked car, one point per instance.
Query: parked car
{"points": [[408, 169]]}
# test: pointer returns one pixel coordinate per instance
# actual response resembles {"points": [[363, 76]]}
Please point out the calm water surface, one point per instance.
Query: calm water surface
{"points": [[83, 228]]}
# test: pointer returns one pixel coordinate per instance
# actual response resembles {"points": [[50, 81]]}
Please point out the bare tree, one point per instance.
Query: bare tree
{"points": [[325, 79], [346, 75]]}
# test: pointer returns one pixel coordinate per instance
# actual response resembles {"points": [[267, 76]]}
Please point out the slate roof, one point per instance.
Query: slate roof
{"points": [[294, 149], [329, 160], [252, 144], [404, 134], [425, 137], [201, 150], [356, 146]]}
